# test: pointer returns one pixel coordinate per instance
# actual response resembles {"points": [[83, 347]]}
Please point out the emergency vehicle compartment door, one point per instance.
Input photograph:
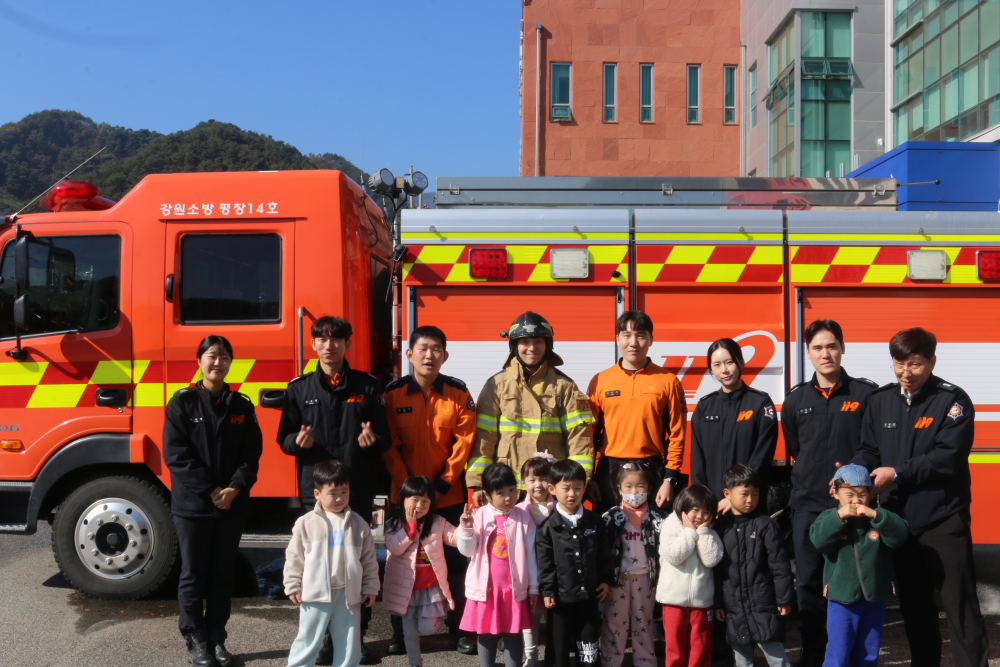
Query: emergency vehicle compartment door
{"points": [[78, 341], [583, 319], [237, 284]]}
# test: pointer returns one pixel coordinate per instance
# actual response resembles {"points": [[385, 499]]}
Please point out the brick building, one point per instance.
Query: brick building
{"points": [[631, 88]]}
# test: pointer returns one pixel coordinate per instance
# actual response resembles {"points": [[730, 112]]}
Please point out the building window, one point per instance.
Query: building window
{"points": [[781, 104], [753, 96], [560, 92], [729, 94], [782, 52], [645, 93], [230, 278], [694, 80], [609, 92], [826, 127]]}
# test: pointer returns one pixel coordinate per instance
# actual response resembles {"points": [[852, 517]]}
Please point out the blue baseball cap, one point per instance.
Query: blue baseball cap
{"points": [[852, 475]]}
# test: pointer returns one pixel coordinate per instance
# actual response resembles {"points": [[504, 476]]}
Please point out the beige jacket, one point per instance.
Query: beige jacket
{"points": [[687, 557], [307, 558], [518, 417]]}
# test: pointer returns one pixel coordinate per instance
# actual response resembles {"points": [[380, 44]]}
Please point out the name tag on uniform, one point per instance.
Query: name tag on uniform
{"points": [[197, 420], [400, 411], [889, 425], [805, 411], [312, 401], [609, 394], [711, 418]]}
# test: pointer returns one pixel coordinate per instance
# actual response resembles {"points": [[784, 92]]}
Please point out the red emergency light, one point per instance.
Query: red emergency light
{"points": [[988, 264], [75, 196], [488, 262]]}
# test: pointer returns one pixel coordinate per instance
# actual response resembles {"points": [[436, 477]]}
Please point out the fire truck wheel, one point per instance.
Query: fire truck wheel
{"points": [[113, 538]]}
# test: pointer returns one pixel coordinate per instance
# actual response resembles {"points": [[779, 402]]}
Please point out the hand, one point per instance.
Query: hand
{"points": [[846, 512], [603, 591], [534, 602], [303, 439], [550, 602], [724, 506], [466, 519], [225, 498], [295, 598], [593, 493], [686, 521], [720, 614], [215, 495], [367, 437], [784, 609], [883, 478], [369, 600], [833, 490], [478, 498], [411, 513], [864, 510], [665, 494]]}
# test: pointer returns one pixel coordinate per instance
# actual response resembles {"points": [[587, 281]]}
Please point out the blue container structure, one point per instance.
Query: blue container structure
{"points": [[969, 174]]}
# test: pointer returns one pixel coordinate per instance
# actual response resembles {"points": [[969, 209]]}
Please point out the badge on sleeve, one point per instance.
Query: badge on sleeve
{"points": [[956, 411], [470, 404], [873, 536], [769, 412]]}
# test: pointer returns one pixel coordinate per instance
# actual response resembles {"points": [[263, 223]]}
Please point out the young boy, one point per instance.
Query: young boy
{"points": [[858, 575], [575, 570], [754, 585], [330, 570]]}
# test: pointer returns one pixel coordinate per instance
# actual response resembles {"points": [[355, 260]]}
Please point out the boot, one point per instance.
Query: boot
{"points": [[369, 658], [217, 647], [325, 655], [197, 647]]}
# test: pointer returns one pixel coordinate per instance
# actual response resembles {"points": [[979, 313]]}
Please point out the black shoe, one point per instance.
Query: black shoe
{"points": [[369, 658], [217, 647], [396, 646], [325, 655], [197, 648], [467, 646]]}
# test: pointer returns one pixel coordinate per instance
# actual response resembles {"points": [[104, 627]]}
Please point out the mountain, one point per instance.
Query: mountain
{"points": [[39, 149]]}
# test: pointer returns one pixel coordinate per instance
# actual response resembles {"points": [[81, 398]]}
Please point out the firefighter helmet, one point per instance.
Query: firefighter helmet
{"points": [[530, 325]]}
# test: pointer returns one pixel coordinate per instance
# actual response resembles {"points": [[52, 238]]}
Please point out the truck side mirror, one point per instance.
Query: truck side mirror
{"points": [[21, 312], [21, 262]]}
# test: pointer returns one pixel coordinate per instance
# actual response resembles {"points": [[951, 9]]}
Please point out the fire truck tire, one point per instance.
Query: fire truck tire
{"points": [[113, 538]]}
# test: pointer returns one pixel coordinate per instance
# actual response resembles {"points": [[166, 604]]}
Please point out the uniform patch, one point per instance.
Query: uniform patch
{"points": [[745, 415], [236, 419], [956, 411], [805, 411], [197, 420], [711, 418], [873, 536], [311, 401], [889, 425], [769, 412], [470, 404], [850, 406], [403, 411], [609, 394]]}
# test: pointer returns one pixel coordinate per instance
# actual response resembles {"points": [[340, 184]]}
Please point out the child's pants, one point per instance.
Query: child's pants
{"points": [[413, 628], [631, 602], [573, 626], [855, 633], [774, 652], [688, 633], [343, 624], [533, 636], [513, 649]]}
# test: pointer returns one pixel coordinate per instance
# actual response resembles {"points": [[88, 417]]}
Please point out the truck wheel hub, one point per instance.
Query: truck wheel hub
{"points": [[114, 538]]}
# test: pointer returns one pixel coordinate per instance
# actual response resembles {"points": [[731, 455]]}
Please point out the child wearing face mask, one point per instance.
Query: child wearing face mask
{"points": [[634, 537], [538, 503]]}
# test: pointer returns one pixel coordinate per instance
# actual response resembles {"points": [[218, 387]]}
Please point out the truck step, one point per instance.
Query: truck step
{"points": [[13, 527]]}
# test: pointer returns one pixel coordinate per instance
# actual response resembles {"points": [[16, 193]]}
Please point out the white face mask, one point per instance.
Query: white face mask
{"points": [[634, 499]]}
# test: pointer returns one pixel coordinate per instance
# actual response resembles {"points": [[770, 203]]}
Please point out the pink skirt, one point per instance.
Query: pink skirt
{"points": [[498, 615]]}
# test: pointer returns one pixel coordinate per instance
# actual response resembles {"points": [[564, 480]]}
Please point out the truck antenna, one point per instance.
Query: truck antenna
{"points": [[57, 183]]}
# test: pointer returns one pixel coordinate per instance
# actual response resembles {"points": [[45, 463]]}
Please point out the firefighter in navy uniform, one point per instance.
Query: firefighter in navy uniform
{"points": [[821, 420], [735, 424], [916, 439], [212, 446], [336, 412]]}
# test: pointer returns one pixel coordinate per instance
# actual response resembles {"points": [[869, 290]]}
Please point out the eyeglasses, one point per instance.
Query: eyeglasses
{"points": [[902, 368]]}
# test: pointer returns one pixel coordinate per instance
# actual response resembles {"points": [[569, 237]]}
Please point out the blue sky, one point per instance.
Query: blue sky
{"points": [[429, 84]]}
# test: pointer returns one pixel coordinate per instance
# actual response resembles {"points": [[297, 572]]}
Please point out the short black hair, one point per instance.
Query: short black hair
{"points": [[536, 466], [730, 346], [413, 486], [331, 326], [208, 342], [694, 496], [433, 333], [634, 465], [330, 471], [639, 320], [913, 341], [824, 325], [567, 471], [497, 476], [740, 475]]}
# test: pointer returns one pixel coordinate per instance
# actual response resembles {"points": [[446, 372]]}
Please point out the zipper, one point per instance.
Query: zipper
{"points": [[857, 562]]}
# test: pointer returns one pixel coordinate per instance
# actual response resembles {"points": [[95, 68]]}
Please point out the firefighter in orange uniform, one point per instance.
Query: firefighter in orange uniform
{"points": [[432, 419], [641, 414]]}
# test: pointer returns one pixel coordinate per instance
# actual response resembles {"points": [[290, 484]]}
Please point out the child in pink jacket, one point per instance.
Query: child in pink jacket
{"points": [[501, 584], [539, 504], [416, 575]]}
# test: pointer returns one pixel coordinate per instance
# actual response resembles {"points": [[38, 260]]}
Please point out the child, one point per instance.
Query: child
{"points": [[754, 585], [501, 584], [416, 575], [574, 569], [330, 570], [633, 535], [856, 542], [689, 549], [539, 503]]}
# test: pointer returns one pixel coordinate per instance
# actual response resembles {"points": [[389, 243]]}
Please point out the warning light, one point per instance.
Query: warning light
{"points": [[988, 264], [926, 264], [488, 262], [11, 445], [75, 196]]}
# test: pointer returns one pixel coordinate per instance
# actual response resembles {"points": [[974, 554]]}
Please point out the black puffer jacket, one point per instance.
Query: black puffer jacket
{"points": [[573, 562], [753, 579]]}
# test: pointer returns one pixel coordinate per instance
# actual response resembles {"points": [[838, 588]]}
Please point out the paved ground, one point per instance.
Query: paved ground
{"points": [[45, 622]]}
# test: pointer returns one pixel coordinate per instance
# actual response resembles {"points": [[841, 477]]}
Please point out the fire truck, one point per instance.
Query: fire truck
{"points": [[102, 306]]}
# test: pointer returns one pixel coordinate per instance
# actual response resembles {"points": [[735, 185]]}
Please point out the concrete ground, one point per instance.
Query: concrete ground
{"points": [[45, 622]]}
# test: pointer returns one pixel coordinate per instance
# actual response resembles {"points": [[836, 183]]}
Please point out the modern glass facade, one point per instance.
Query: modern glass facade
{"points": [[781, 103], [946, 77]]}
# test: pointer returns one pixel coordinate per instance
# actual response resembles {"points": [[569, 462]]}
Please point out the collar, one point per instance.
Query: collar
{"points": [[214, 401], [572, 519], [734, 395], [645, 366], [521, 371], [843, 381], [341, 382], [412, 387], [497, 512]]}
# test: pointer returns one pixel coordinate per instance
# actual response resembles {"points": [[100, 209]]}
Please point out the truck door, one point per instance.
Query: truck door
{"points": [[235, 282]]}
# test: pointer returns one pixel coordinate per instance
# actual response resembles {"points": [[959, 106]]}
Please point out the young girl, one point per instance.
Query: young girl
{"points": [[689, 549], [416, 576], [501, 584], [633, 533], [539, 504]]}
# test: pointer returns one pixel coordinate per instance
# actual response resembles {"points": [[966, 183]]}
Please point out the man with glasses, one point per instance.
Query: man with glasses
{"points": [[916, 439]]}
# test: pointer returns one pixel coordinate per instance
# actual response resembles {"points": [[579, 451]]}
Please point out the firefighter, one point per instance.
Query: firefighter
{"points": [[640, 413], [530, 407], [821, 420], [212, 446], [734, 424], [432, 418], [336, 412], [916, 438]]}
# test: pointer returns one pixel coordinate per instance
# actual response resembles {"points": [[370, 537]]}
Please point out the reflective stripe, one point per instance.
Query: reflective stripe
{"points": [[479, 463], [486, 422], [570, 418], [586, 461], [526, 425]]}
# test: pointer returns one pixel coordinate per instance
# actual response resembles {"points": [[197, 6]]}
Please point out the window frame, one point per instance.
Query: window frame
{"points": [[752, 98], [552, 91], [729, 76], [613, 106], [643, 107], [697, 106]]}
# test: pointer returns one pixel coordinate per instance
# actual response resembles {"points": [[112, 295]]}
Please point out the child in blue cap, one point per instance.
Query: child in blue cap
{"points": [[856, 542]]}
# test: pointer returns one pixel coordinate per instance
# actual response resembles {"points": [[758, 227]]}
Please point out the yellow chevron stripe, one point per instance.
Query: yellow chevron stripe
{"points": [[766, 254], [690, 254], [692, 236], [879, 239], [854, 255], [426, 237], [149, 395], [56, 395], [720, 273], [22, 374], [885, 273]]}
